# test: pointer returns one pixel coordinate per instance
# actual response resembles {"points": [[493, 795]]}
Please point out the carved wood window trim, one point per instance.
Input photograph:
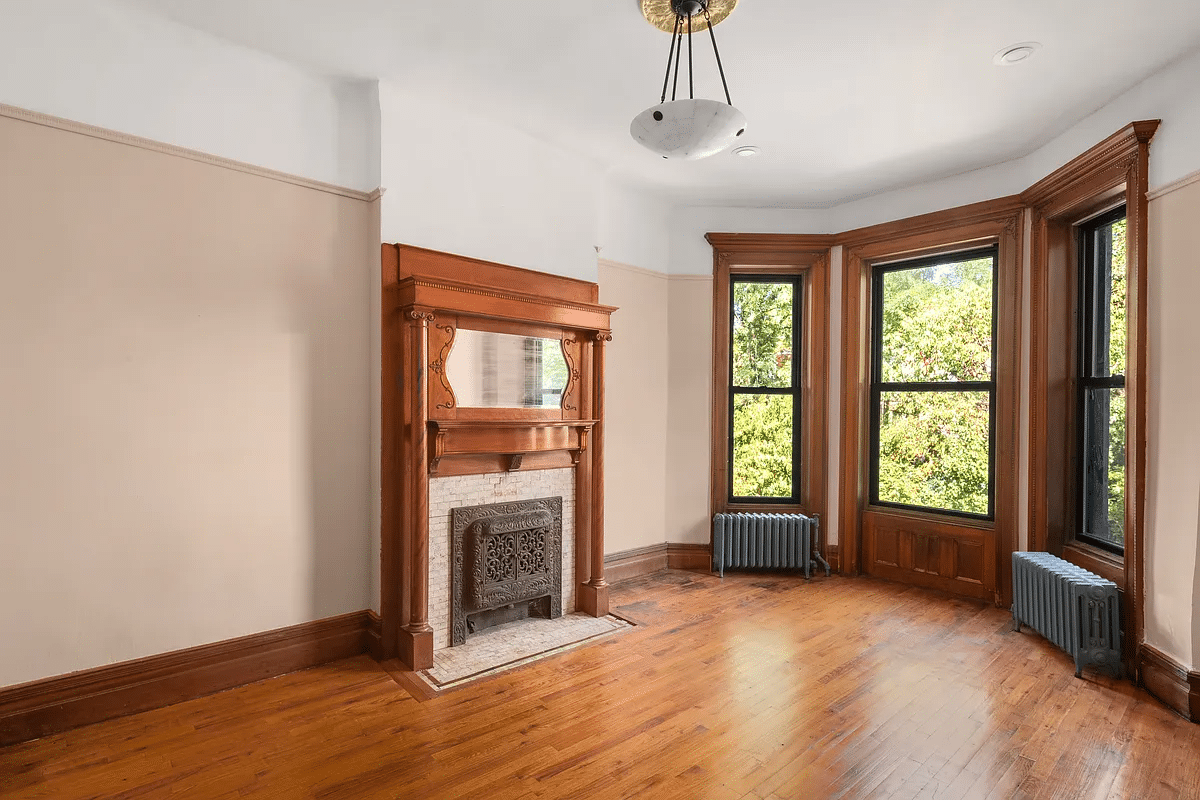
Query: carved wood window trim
{"points": [[990, 224], [1112, 173], [764, 255]]}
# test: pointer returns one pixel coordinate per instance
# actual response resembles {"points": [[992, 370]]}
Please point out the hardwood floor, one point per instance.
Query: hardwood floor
{"points": [[756, 687]]}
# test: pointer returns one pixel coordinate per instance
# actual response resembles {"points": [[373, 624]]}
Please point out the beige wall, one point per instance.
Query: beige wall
{"points": [[635, 438], [689, 419], [184, 421], [1173, 479]]}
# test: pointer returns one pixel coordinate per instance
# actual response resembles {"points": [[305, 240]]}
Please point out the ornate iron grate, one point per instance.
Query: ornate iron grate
{"points": [[506, 564]]}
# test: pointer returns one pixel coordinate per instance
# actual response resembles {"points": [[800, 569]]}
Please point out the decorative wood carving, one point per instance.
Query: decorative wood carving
{"points": [[570, 398], [442, 342], [427, 298]]}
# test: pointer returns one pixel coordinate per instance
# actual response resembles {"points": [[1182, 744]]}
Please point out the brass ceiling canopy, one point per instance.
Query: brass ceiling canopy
{"points": [[662, 14]]}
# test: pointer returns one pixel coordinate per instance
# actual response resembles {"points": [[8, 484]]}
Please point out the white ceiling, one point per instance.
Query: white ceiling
{"points": [[845, 99]]}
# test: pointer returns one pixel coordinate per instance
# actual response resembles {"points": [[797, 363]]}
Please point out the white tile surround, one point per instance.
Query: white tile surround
{"points": [[474, 490]]}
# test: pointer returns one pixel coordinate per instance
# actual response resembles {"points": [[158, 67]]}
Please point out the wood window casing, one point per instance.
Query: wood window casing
{"points": [[950, 552], [879, 386], [1110, 174], [765, 255]]}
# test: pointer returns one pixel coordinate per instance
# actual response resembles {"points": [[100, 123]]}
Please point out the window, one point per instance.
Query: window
{"points": [[933, 388], [768, 440], [764, 398], [1100, 382]]}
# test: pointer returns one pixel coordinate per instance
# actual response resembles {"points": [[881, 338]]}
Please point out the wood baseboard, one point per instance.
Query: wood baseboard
{"points": [[374, 635], [694, 557], [52, 705], [1168, 680], [833, 555], [656, 557], [632, 563]]}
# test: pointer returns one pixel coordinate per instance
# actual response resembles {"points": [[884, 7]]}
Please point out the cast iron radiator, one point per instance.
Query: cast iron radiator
{"points": [[1073, 608], [767, 540]]}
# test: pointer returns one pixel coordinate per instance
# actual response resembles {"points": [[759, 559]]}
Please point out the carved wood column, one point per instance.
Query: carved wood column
{"points": [[416, 639], [594, 597]]}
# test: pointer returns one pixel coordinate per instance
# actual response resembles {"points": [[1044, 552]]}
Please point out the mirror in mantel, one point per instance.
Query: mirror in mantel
{"points": [[503, 370]]}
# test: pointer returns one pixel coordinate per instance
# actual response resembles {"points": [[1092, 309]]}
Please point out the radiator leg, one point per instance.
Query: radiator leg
{"points": [[1016, 622]]}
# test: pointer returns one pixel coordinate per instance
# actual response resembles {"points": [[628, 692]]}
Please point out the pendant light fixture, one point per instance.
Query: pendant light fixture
{"points": [[689, 128]]}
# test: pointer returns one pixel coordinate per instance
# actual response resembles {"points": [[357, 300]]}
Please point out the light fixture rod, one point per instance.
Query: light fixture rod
{"points": [[670, 57], [720, 68], [691, 72], [678, 58]]}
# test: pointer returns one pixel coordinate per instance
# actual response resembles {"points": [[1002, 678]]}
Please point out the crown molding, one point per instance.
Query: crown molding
{"points": [[1002, 208], [142, 143], [770, 242], [1106, 162]]}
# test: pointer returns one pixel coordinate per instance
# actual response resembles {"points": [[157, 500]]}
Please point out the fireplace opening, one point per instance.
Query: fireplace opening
{"points": [[506, 564]]}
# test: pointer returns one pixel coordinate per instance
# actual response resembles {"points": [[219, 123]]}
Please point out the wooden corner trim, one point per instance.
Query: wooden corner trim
{"points": [[374, 634], [833, 554], [52, 705], [1169, 681]]}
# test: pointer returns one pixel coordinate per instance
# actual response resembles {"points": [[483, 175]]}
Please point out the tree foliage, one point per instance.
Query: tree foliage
{"points": [[934, 445], [762, 358], [1118, 315]]}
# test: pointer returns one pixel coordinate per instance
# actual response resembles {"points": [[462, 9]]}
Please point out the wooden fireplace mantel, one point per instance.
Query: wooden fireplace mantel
{"points": [[427, 297], [533, 443]]}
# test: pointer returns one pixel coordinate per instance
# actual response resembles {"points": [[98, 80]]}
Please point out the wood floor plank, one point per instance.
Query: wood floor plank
{"points": [[751, 687]]}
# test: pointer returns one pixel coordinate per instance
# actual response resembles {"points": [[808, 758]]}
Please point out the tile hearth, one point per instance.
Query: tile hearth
{"points": [[515, 643]]}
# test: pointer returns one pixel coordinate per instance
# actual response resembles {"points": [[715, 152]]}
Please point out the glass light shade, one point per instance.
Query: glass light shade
{"points": [[688, 129]]}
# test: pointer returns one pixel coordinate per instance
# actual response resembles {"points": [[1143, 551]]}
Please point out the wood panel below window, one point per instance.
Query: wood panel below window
{"points": [[934, 553]]}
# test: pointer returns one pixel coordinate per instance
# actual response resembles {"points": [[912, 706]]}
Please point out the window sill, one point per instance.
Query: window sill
{"points": [[932, 516], [1105, 564], [765, 508]]}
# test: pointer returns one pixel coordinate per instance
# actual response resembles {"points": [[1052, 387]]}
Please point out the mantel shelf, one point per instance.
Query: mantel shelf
{"points": [[512, 438]]}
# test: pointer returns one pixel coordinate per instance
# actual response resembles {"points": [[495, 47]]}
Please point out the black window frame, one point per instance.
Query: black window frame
{"points": [[795, 390], [878, 386], [1085, 382]]}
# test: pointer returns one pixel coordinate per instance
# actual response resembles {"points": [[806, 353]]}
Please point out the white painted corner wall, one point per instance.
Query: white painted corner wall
{"points": [[461, 183], [105, 64]]}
